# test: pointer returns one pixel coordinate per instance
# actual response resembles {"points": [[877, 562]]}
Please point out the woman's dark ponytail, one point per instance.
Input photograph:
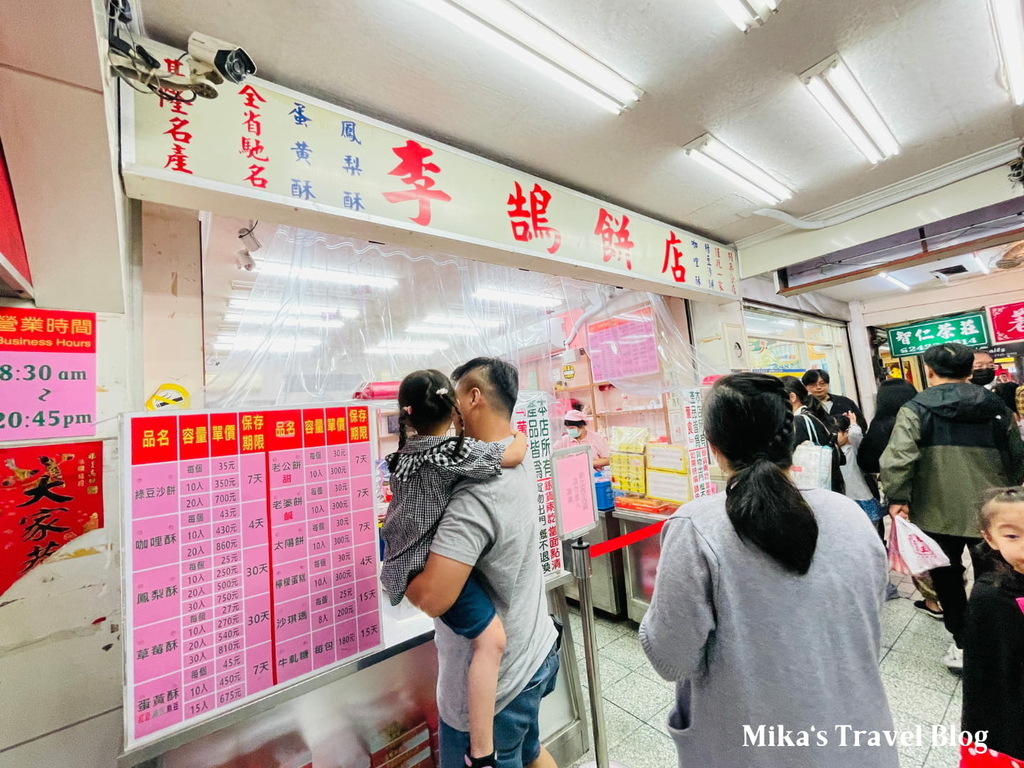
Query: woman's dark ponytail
{"points": [[750, 423]]}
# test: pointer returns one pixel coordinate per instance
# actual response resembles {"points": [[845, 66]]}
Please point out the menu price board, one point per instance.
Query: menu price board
{"points": [[623, 346], [250, 556], [47, 374], [531, 418]]}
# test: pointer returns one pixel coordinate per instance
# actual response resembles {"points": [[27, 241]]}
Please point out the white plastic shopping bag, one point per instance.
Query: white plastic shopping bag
{"points": [[917, 549], [812, 463], [896, 563]]}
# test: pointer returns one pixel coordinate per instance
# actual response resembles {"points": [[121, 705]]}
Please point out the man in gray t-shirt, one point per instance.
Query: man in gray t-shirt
{"points": [[492, 526]]}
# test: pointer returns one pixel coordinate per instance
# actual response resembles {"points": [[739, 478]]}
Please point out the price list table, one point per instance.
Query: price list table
{"points": [[251, 556]]}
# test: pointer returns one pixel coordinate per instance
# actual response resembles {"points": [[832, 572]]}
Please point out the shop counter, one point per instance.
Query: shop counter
{"points": [[376, 712], [608, 583], [640, 560]]}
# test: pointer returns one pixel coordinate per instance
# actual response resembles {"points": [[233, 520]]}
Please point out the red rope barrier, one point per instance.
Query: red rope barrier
{"points": [[604, 547]]}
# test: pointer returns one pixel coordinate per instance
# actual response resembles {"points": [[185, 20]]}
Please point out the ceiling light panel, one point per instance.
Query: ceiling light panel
{"points": [[1008, 21], [263, 307], [713, 154], [834, 87], [524, 299], [894, 280], [324, 275], [507, 28], [747, 14]]}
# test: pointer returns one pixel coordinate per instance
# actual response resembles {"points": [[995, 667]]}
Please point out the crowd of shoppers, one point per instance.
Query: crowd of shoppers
{"points": [[766, 611]]}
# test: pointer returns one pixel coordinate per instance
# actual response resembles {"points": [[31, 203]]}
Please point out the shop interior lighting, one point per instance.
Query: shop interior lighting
{"points": [[313, 323], [747, 14], [262, 307], [894, 280], [1008, 20], [459, 322], [323, 275], [982, 265], [411, 347], [442, 330], [502, 25], [713, 154], [253, 343], [833, 85], [525, 299]]}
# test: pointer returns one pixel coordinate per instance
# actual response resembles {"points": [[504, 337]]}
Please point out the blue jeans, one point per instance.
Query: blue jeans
{"points": [[516, 727]]}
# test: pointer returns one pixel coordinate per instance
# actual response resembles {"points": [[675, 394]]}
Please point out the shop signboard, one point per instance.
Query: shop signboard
{"points": [[250, 556], [623, 346], [47, 374], [531, 417], [1007, 322], [910, 340], [261, 141], [49, 495]]}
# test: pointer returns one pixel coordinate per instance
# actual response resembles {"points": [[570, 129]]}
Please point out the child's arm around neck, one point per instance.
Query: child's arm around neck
{"points": [[516, 451]]}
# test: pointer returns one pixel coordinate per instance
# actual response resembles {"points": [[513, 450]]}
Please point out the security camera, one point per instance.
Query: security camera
{"points": [[249, 239], [218, 60], [245, 261]]}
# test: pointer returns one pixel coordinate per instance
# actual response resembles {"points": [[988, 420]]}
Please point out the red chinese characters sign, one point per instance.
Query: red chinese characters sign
{"points": [[528, 223], [258, 139], [49, 495], [1007, 322], [413, 171]]}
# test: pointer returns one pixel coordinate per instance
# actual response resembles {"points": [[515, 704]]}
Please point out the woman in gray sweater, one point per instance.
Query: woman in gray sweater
{"points": [[766, 609]]}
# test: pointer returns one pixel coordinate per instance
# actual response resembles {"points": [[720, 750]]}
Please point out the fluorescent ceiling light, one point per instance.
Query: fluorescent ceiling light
{"points": [[324, 275], [441, 330], [1009, 28], [410, 347], [518, 34], [459, 322], [894, 280], [267, 306], [982, 265], [508, 297], [713, 154], [237, 318], [833, 85], [253, 343], [747, 14]]}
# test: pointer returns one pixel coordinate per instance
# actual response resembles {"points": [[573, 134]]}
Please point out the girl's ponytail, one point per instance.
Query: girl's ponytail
{"points": [[749, 422]]}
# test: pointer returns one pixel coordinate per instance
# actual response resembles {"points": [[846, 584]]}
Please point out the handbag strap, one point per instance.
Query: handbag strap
{"points": [[811, 433]]}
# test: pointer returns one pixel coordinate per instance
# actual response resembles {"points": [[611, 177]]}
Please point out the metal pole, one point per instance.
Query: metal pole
{"points": [[581, 569]]}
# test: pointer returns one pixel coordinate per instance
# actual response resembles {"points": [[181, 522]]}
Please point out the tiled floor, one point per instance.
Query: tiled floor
{"points": [[637, 701]]}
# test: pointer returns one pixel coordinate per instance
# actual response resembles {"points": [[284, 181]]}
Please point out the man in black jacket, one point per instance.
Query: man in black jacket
{"points": [[817, 383]]}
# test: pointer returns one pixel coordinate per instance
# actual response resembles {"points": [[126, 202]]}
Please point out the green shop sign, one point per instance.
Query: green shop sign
{"points": [[909, 340]]}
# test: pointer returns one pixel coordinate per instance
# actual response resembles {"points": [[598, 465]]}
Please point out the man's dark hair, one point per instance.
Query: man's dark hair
{"points": [[813, 376], [496, 379], [950, 361]]}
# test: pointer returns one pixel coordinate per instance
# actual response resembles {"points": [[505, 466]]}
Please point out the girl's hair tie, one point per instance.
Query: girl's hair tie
{"points": [[442, 391], [408, 410]]}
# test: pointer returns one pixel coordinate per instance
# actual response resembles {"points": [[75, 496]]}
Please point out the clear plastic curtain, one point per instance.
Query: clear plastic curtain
{"points": [[327, 315]]}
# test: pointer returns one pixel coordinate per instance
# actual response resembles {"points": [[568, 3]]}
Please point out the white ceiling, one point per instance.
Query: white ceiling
{"points": [[930, 66]]}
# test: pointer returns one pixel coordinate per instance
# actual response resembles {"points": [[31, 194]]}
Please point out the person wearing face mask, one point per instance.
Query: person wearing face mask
{"points": [[576, 433], [984, 371]]}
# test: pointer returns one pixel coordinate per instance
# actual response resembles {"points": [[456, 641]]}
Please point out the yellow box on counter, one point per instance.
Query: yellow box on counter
{"points": [[669, 486], [628, 472], [665, 456]]}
